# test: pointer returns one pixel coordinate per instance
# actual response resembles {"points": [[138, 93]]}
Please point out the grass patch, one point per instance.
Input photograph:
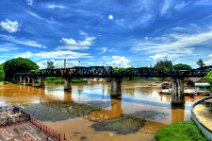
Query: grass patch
{"points": [[183, 131], [58, 80]]}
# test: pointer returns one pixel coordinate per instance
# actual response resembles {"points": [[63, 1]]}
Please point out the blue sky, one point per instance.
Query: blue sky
{"points": [[106, 32]]}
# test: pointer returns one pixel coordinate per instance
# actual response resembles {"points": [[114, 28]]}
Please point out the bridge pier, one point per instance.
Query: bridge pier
{"points": [[32, 81], [20, 79], [67, 84], [41, 81], [28, 80], [178, 97], [115, 87]]}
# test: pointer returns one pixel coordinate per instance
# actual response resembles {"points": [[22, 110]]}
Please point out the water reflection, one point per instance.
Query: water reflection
{"points": [[177, 114], [114, 111]]}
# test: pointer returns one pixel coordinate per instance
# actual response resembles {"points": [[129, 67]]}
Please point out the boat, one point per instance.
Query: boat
{"points": [[166, 91], [165, 85]]}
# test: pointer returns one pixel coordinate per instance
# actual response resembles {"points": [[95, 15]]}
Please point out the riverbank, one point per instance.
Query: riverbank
{"points": [[180, 132], [5, 82]]}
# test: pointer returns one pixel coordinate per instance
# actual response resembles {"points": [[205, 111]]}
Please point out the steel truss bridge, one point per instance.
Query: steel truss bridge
{"points": [[115, 76]]}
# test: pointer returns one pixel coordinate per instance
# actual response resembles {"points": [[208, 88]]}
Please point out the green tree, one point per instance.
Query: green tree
{"points": [[50, 65], [208, 78], [182, 67], [200, 63], [18, 65], [2, 74], [164, 65]]}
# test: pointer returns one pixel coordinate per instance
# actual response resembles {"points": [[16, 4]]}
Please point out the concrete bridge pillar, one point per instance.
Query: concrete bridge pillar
{"points": [[20, 79], [115, 87], [14, 79], [67, 84], [32, 81], [28, 80], [41, 81], [178, 97]]}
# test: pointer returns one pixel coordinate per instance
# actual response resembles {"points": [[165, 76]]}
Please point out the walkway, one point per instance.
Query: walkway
{"points": [[204, 115], [17, 125], [23, 132]]}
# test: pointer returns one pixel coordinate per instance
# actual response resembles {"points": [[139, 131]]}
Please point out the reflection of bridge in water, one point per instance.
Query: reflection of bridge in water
{"points": [[115, 76]]}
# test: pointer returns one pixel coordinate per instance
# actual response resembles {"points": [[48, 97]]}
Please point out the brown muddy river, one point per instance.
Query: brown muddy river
{"points": [[89, 114]]}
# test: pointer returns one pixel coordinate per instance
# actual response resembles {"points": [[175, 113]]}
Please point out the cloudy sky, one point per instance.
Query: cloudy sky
{"points": [[106, 32]]}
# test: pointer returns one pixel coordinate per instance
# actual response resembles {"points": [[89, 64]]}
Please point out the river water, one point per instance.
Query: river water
{"points": [[87, 113]]}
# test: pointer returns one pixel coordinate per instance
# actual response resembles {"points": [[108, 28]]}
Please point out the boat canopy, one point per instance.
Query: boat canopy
{"points": [[202, 84]]}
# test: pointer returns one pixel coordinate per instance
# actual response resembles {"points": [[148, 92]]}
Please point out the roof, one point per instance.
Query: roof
{"points": [[202, 84]]}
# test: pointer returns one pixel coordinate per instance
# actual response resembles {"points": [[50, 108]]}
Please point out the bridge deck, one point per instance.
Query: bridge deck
{"points": [[105, 72]]}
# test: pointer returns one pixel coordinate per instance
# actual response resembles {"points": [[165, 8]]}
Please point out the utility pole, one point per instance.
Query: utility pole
{"points": [[64, 63]]}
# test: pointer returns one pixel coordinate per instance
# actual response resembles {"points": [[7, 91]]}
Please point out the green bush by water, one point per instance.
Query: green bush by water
{"points": [[5, 82], [183, 131]]}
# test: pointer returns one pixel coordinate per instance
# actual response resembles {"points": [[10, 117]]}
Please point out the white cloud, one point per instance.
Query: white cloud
{"points": [[110, 17], [58, 63], [69, 64], [72, 44], [180, 5], [42, 64], [82, 33], [55, 6], [29, 2], [10, 26], [120, 61], [159, 56], [37, 16], [7, 47], [208, 61], [27, 54], [103, 50], [165, 7], [173, 43], [21, 41], [61, 54], [146, 38], [2, 61], [142, 21], [204, 2]]}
